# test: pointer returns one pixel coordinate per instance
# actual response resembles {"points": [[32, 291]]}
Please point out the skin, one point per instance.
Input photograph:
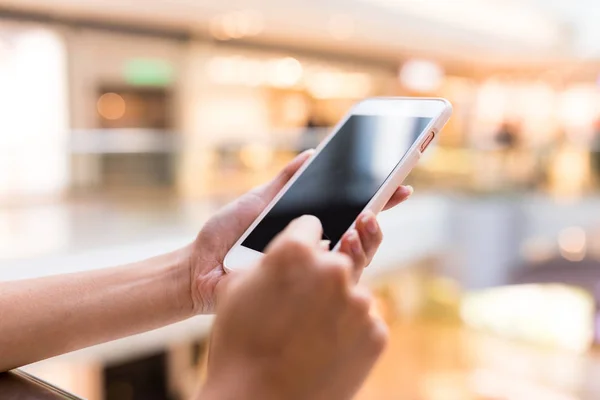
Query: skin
{"points": [[44, 317], [225, 228], [286, 345]]}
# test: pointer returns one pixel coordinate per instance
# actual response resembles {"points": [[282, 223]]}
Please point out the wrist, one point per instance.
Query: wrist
{"points": [[177, 277]]}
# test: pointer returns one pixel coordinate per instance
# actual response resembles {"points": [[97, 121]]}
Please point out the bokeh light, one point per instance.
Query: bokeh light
{"points": [[572, 243], [111, 106]]}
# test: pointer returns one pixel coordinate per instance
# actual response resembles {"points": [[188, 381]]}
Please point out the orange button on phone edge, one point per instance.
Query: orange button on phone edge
{"points": [[427, 141]]}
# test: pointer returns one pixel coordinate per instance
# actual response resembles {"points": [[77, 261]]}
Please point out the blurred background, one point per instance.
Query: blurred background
{"points": [[125, 124]]}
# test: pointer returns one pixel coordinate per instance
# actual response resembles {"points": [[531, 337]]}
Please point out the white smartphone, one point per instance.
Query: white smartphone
{"points": [[358, 167]]}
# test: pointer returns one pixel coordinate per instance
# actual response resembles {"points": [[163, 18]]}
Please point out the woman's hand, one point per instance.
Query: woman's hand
{"points": [[273, 339], [220, 233]]}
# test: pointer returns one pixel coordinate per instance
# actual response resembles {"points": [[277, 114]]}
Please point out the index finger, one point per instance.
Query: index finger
{"points": [[305, 230], [401, 194]]}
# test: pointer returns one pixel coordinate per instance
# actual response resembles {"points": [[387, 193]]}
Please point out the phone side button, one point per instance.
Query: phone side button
{"points": [[427, 141]]}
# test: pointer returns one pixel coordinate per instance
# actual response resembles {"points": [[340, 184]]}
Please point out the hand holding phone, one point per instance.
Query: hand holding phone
{"points": [[357, 168], [273, 338]]}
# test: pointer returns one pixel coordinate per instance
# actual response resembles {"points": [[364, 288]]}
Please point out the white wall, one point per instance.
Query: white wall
{"points": [[34, 123]]}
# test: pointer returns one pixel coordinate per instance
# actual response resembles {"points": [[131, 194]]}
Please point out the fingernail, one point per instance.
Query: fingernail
{"points": [[354, 243], [410, 189], [371, 224], [325, 245], [307, 217]]}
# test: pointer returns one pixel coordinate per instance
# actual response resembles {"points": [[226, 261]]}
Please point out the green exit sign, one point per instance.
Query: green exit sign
{"points": [[149, 72]]}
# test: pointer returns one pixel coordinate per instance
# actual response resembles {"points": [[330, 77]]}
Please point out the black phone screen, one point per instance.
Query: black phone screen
{"points": [[344, 176]]}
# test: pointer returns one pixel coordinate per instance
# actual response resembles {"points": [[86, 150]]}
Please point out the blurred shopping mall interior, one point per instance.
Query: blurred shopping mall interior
{"points": [[125, 124]]}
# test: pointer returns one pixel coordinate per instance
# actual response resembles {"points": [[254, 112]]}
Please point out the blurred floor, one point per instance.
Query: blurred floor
{"points": [[435, 361], [425, 361]]}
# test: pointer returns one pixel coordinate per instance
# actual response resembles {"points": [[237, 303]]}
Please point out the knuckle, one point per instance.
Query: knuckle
{"points": [[295, 248], [362, 260], [378, 336], [335, 273], [290, 252], [379, 237], [344, 261], [361, 303], [335, 268]]}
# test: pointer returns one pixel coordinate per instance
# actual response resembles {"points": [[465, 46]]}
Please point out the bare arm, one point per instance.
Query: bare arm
{"points": [[44, 317], [41, 318]]}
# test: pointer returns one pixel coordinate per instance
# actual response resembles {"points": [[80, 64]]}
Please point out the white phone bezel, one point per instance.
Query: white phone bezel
{"points": [[439, 110]]}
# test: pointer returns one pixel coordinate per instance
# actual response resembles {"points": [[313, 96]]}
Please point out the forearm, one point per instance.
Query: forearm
{"points": [[44, 317]]}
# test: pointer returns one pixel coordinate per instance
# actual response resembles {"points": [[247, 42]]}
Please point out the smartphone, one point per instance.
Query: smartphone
{"points": [[357, 167]]}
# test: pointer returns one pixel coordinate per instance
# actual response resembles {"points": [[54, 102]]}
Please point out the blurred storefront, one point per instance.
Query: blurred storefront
{"points": [[180, 115], [123, 96], [255, 109]]}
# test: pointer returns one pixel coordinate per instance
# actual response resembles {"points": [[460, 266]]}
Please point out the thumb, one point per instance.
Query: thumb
{"points": [[231, 221]]}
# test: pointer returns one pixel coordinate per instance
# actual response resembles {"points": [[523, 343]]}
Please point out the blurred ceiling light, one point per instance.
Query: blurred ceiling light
{"points": [[579, 106], [242, 22], [342, 27], [216, 29], [330, 84], [421, 76], [322, 83], [111, 106], [236, 25], [232, 28], [504, 19], [572, 243], [256, 22], [285, 72]]}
